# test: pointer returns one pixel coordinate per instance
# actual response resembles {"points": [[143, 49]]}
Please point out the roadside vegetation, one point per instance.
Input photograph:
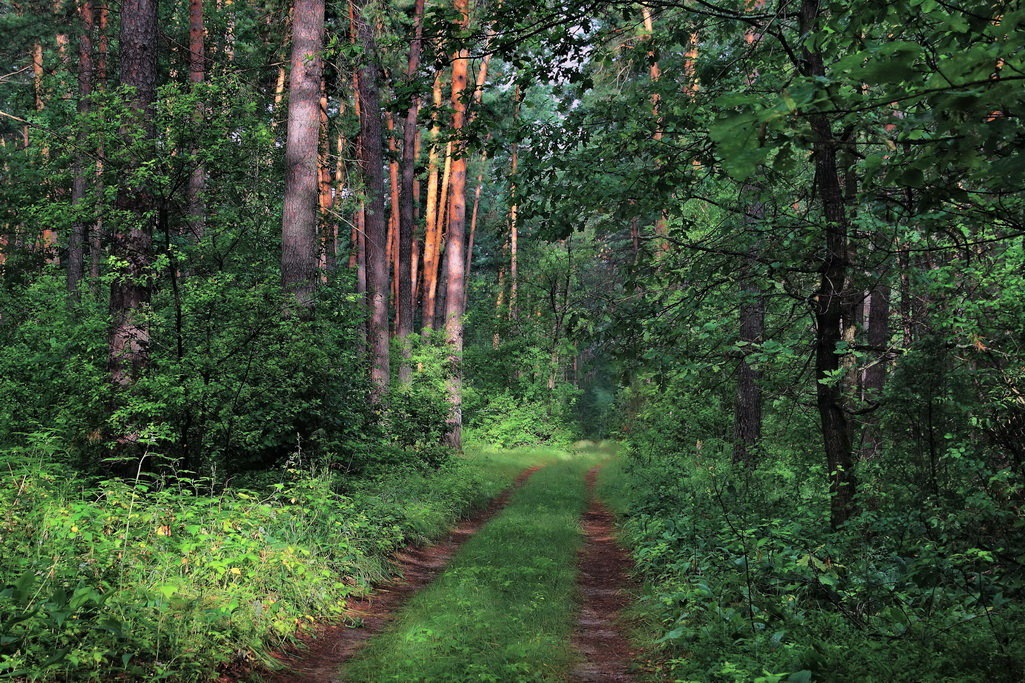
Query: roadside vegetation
{"points": [[744, 583], [167, 579]]}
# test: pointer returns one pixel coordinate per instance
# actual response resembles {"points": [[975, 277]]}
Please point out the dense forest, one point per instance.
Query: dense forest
{"points": [[289, 286]]}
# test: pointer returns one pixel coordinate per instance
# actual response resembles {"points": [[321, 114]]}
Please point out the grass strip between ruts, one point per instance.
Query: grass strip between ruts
{"points": [[503, 610]]}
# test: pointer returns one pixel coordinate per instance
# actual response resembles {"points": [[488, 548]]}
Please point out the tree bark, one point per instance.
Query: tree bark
{"points": [[830, 299], [438, 292], [407, 172], [101, 15], [132, 245], [473, 220], [747, 424], [393, 215], [514, 279], [82, 166], [327, 228], [456, 237], [197, 74], [299, 217], [371, 154], [432, 236], [875, 374]]}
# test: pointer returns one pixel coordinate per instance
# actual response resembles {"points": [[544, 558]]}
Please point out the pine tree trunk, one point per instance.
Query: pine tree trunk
{"points": [[325, 197], [197, 74], [438, 291], [132, 245], [299, 217], [454, 245], [473, 220], [371, 154], [82, 166], [393, 215], [407, 171], [432, 236], [514, 279]]}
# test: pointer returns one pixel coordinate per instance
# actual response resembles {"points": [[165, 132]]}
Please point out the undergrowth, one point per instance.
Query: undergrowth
{"points": [[747, 583], [157, 579]]}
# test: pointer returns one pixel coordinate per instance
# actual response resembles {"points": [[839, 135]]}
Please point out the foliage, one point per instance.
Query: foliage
{"points": [[162, 579], [748, 584]]}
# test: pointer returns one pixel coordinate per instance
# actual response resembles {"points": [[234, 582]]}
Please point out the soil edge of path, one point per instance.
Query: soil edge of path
{"points": [[603, 586]]}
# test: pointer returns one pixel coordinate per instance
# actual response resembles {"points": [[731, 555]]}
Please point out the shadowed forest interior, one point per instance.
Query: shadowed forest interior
{"points": [[290, 286]]}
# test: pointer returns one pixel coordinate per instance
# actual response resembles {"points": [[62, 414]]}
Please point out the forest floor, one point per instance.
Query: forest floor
{"points": [[532, 588]]}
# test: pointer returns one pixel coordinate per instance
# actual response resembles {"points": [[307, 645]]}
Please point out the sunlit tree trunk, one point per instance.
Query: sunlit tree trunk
{"points": [[438, 291], [456, 239], [326, 182], [299, 217], [514, 272], [393, 215], [432, 234], [655, 73]]}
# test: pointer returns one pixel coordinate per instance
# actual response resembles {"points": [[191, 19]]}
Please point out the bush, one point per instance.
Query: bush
{"points": [[159, 579], [508, 422], [748, 583]]}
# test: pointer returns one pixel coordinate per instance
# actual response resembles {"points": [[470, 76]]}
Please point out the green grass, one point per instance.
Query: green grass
{"points": [[503, 610], [115, 580]]}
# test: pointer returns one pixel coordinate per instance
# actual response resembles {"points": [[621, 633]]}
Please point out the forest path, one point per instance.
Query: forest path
{"points": [[536, 593], [603, 590], [329, 648]]}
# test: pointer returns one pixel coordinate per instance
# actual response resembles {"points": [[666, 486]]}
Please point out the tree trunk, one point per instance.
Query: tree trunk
{"points": [[79, 230], [830, 299], [371, 155], [432, 236], [514, 214], [473, 220], [327, 229], [96, 255], [407, 171], [456, 237], [875, 374], [438, 291], [299, 217], [393, 216], [747, 424], [197, 74], [132, 246]]}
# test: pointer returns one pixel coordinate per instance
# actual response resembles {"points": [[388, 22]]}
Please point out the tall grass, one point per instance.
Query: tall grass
{"points": [[152, 580]]}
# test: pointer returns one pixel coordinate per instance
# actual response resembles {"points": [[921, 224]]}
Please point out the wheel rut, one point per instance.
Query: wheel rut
{"points": [[328, 648], [603, 588]]}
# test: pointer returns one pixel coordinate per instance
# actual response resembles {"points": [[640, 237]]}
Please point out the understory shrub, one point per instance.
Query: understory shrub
{"points": [[748, 582], [162, 578]]}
